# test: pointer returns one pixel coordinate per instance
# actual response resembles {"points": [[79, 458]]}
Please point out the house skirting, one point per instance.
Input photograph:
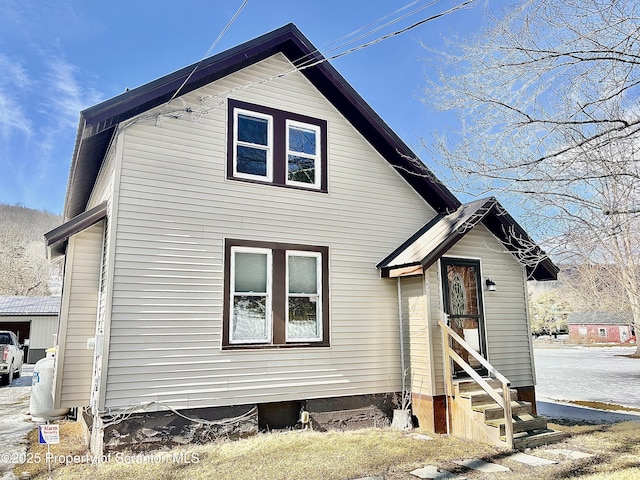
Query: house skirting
{"points": [[144, 431], [528, 394], [431, 412]]}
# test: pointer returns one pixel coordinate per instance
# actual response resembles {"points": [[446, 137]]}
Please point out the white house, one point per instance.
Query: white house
{"points": [[250, 248]]}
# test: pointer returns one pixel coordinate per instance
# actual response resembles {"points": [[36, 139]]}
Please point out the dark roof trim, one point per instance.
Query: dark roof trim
{"points": [[538, 264], [438, 236], [98, 123], [56, 240], [384, 264]]}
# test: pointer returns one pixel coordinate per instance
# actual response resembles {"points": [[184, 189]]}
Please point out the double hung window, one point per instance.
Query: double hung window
{"points": [[275, 295], [253, 146], [303, 159], [272, 146], [251, 298]]}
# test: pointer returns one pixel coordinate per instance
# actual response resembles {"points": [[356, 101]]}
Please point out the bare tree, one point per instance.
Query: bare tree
{"points": [[547, 104], [24, 269], [593, 288], [549, 311]]}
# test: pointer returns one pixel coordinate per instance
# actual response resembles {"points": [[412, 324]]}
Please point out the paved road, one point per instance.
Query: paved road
{"points": [[601, 374]]}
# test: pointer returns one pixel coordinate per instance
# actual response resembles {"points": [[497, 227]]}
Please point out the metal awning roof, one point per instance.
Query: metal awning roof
{"points": [[56, 240], [438, 236]]}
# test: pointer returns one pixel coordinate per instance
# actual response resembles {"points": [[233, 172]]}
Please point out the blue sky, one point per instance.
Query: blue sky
{"points": [[61, 56]]}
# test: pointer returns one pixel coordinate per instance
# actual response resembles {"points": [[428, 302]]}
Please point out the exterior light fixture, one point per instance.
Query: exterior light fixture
{"points": [[491, 285]]}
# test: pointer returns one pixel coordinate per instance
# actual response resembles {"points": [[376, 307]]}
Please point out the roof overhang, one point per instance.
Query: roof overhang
{"points": [[438, 236], [56, 240], [98, 124]]}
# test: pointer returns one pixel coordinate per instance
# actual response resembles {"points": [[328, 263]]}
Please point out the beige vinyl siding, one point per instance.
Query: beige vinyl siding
{"points": [[436, 313], [417, 341], [78, 318], [175, 208], [506, 321]]}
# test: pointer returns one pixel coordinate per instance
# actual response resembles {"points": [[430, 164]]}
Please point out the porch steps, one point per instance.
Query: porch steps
{"points": [[485, 418]]}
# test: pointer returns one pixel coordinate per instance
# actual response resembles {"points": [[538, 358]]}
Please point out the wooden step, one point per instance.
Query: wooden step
{"points": [[480, 397], [493, 411], [524, 440], [522, 423], [461, 386]]}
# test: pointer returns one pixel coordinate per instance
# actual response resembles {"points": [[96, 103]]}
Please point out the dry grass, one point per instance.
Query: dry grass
{"points": [[602, 405], [348, 455], [283, 456]]}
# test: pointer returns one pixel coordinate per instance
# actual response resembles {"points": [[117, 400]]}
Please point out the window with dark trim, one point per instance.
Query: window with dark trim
{"points": [[267, 145], [275, 295]]}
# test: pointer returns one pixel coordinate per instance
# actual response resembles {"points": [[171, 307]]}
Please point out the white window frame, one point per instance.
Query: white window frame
{"points": [[317, 158], [602, 332], [317, 295], [268, 148], [269, 294]]}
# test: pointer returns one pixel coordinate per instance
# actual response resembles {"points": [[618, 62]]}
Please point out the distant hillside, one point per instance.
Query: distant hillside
{"points": [[24, 269]]}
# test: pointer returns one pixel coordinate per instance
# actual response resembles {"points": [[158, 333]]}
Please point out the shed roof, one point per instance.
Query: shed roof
{"points": [[17, 305], [56, 240], [598, 318]]}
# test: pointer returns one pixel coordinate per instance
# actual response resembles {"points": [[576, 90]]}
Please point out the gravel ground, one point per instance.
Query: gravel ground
{"points": [[14, 423]]}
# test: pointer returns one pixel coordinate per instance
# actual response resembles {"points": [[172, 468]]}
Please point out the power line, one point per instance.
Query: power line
{"points": [[213, 45], [311, 59]]}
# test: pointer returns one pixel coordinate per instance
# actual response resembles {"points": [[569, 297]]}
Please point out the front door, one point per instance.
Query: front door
{"points": [[463, 305]]}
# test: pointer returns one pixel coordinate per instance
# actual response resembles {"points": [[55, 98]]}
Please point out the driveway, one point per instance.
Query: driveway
{"points": [[14, 423]]}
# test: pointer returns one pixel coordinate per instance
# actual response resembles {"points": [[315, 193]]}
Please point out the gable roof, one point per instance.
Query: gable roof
{"points": [[16, 305], [445, 230], [98, 123], [598, 318]]}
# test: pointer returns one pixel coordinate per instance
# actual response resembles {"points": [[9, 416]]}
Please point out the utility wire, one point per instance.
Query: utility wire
{"points": [[393, 34], [311, 59], [374, 30], [298, 66], [213, 45]]}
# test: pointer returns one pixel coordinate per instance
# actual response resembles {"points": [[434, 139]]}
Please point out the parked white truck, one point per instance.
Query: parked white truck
{"points": [[11, 357]]}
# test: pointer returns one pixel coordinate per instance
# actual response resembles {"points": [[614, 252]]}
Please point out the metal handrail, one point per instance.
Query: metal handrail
{"points": [[503, 401]]}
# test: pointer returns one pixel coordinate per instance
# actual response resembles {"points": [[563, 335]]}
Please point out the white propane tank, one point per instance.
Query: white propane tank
{"points": [[41, 403]]}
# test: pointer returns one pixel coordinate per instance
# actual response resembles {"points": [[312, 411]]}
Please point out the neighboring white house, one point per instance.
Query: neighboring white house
{"points": [[246, 249], [34, 320]]}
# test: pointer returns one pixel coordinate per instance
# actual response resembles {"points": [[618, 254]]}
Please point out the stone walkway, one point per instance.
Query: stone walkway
{"points": [[433, 472]]}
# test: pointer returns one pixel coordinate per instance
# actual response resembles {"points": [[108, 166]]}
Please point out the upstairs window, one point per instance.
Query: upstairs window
{"points": [[253, 146], [303, 159], [267, 145]]}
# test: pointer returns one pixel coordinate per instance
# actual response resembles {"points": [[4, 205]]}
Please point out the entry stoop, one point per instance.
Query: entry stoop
{"points": [[476, 416]]}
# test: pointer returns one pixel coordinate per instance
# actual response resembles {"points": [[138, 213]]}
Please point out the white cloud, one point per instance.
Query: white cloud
{"points": [[12, 117], [66, 94], [13, 73]]}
